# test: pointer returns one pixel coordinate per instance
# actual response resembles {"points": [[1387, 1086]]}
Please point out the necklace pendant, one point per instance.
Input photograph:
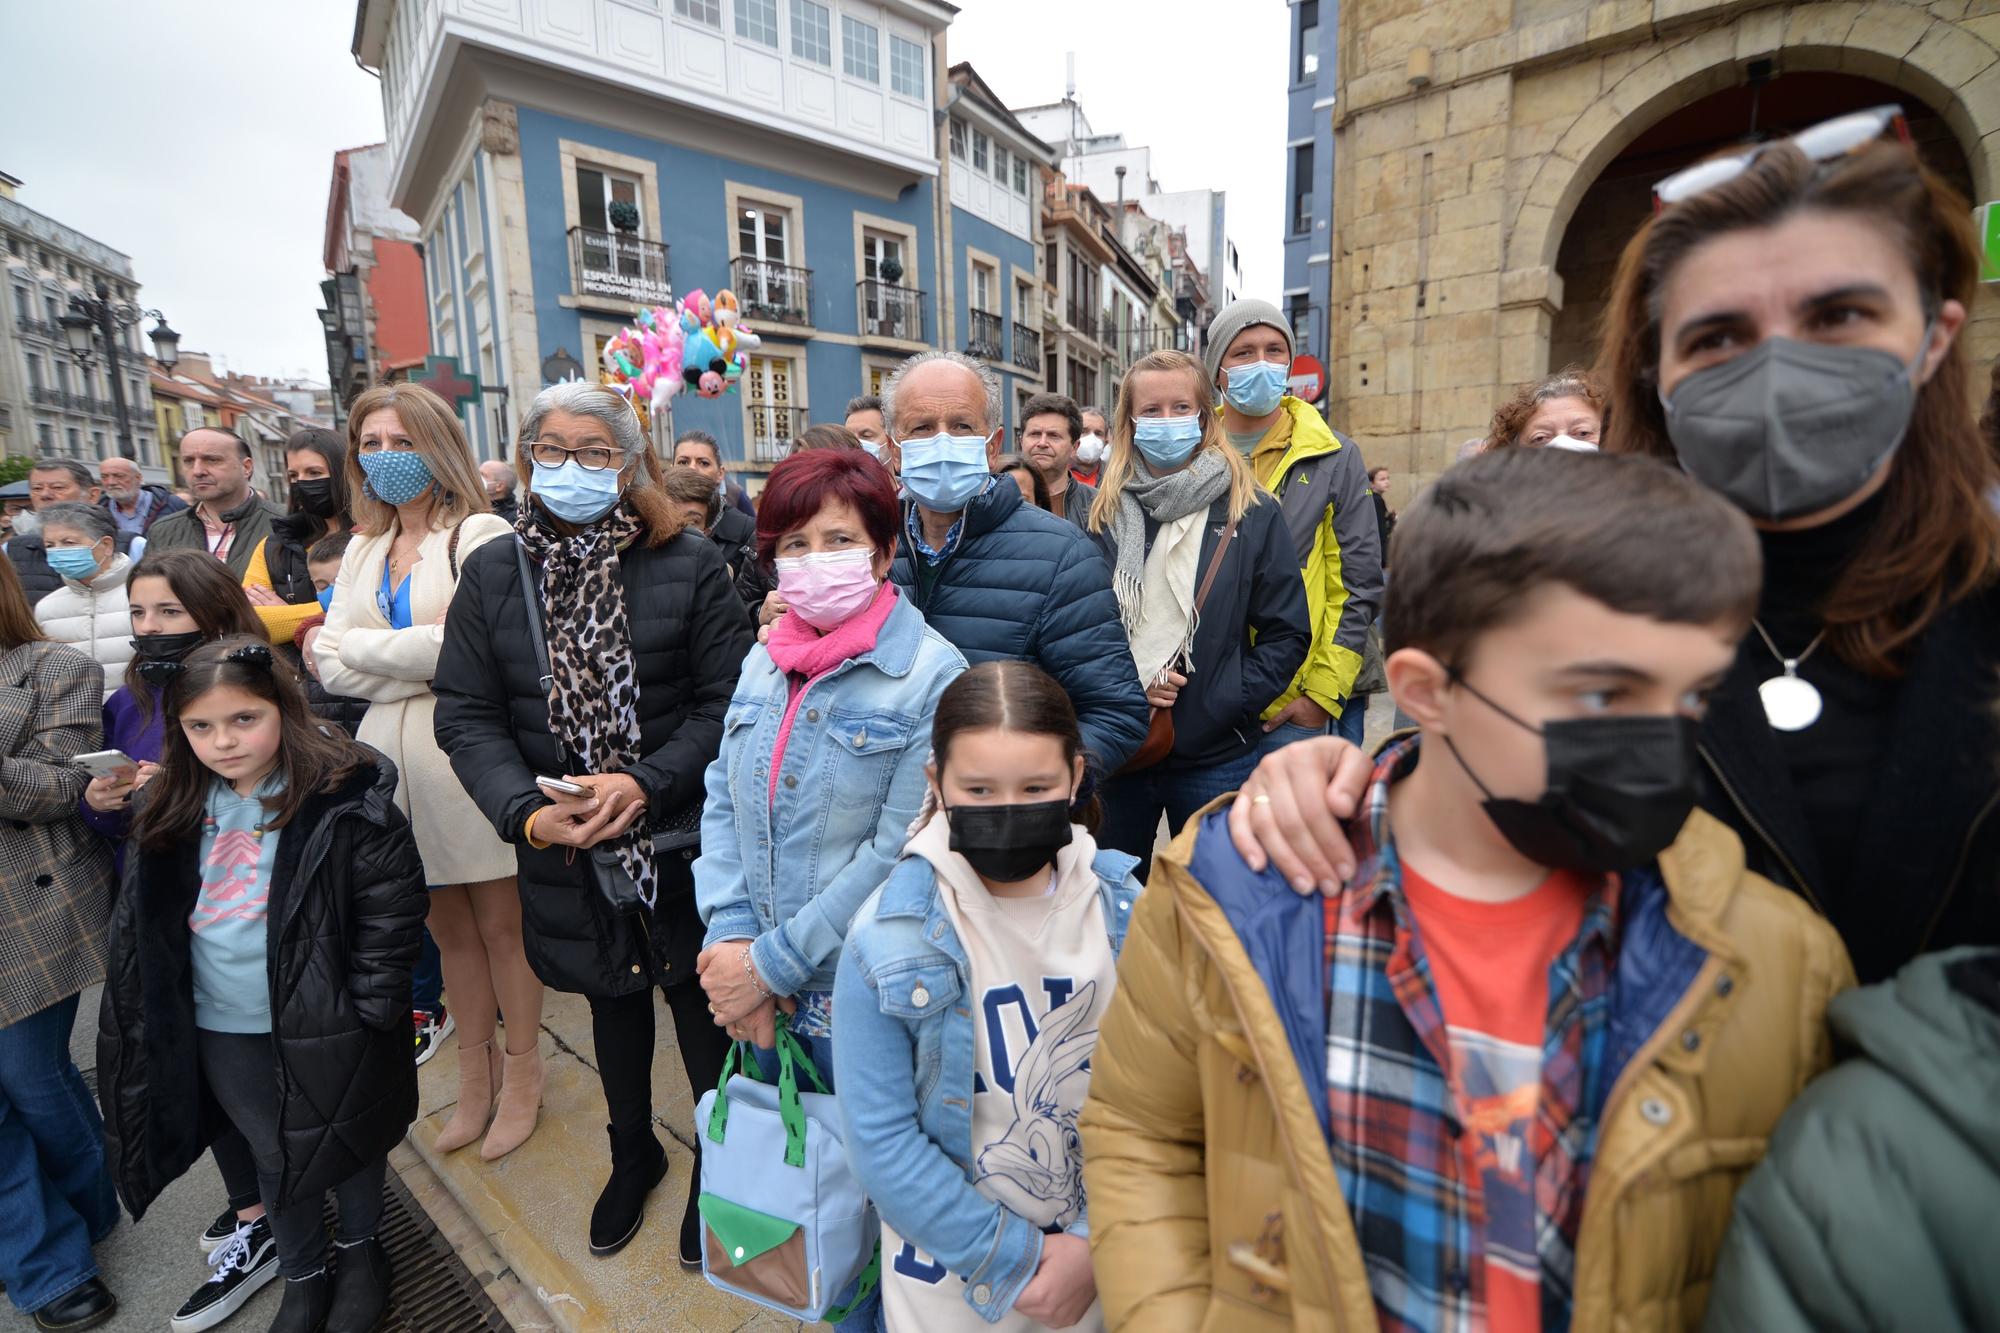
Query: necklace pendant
{"points": [[1790, 703]]}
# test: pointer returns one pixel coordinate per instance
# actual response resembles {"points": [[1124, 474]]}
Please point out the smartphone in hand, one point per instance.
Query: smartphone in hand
{"points": [[106, 763], [557, 787]]}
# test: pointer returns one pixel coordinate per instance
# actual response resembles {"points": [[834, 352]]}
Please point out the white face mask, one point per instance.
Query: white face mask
{"points": [[1575, 446], [27, 523], [1090, 451]]}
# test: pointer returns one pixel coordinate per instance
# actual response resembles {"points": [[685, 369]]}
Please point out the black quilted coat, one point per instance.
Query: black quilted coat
{"points": [[690, 634], [346, 916]]}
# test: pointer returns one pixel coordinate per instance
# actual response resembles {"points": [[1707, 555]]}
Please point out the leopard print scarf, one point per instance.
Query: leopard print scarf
{"points": [[594, 701]]}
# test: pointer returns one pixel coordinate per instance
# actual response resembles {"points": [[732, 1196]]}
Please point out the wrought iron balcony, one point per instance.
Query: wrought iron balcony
{"points": [[889, 311], [46, 397], [771, 292], [619, 266], [39, 328], [771, 428], [1027, 347], [983, 336]]}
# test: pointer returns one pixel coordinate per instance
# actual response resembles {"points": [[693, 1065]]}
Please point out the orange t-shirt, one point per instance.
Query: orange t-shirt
{"points": [[1490, 964]]}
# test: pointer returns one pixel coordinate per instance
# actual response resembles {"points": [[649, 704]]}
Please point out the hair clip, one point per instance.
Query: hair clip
{"points": [[255, 654], [159, 673]]}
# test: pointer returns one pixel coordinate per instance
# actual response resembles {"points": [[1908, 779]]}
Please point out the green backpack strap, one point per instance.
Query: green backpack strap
{"points": [[792, 1057], [869, 1277], [718, 1115]]}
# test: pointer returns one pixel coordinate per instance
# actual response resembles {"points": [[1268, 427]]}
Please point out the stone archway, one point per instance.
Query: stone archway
{"points": [[1617, 202], [1901, 45]]}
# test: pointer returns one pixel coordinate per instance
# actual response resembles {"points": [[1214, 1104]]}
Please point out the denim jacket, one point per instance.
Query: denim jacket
{"points": [[903, 1054], [789, 875]]}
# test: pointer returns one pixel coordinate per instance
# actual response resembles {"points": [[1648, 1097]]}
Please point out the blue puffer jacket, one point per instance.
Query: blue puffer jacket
{"points": [[1025, 584]]}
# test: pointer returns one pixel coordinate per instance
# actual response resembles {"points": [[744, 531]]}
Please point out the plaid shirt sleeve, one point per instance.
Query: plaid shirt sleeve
{"points": [[51, 710]]}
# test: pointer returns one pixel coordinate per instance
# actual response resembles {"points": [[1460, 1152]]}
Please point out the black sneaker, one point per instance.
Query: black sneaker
{"points": [[219, 1231], [433, 1026], [239, 1267]]}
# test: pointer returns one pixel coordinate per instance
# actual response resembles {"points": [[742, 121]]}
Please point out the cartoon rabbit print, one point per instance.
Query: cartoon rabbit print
{"points": [[1035, 1169]]}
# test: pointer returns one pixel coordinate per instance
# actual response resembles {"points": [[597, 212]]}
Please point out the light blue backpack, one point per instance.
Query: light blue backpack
{"points": [[784, 1222]]}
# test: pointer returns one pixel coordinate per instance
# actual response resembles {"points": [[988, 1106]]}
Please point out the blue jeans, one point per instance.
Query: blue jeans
{"points": [[1352, 724], [55, 1195], [1134, 803], [866, 1317], [427, 977]]}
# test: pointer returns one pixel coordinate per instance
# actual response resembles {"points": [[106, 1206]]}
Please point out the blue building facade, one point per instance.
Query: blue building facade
{"points": [[1310, 82], [570, 167], [994, 168]]}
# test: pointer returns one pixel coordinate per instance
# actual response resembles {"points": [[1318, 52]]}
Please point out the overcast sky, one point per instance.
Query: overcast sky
{"points": [[199, 139]]}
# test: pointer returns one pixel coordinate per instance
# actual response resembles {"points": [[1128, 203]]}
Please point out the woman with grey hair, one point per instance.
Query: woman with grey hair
{"points": [[610, 672], [89, 611]]}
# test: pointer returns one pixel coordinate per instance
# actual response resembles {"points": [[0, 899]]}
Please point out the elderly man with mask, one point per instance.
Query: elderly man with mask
{"points": [[53, 481], [499, 479], [229, 519], [134, 506], [997, 577]]}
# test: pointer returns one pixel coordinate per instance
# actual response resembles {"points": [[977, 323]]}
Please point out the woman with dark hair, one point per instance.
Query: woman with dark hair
{"points": [[1033, 489], [967, 1009], [55, 894], [608, 671], [822, 761], [1560, 411], [1786, 328], [277, 581]]}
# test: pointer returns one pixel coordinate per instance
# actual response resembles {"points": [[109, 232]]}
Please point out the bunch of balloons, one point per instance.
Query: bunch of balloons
{"points": [[694, 344]]}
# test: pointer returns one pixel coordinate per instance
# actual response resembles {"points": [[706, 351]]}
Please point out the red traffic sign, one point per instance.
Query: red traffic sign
{"points": [[1308, 379]]}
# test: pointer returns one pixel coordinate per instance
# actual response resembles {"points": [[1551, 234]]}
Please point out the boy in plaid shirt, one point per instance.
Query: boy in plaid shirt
{"points": [[1509, 1074]]}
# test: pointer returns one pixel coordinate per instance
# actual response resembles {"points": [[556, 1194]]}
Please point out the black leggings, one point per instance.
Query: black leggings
{"points": [[622, 1028], [238, 1069]]}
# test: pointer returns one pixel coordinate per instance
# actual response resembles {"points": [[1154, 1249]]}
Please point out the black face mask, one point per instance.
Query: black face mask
{"points": [[1619, 789], [160, 655], [1008, 843], [315, 496]]}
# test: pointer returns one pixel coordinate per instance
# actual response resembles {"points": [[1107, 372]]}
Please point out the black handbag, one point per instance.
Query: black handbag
{"points": [[679, 831]]}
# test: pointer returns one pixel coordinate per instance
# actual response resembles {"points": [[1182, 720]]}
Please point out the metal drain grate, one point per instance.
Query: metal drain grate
{"points": [[433, 1291]]}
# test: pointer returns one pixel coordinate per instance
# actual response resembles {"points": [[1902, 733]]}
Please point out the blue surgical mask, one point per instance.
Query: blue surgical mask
{"points": [[873, 448], [945, 471], [395, 476], [74, 562], [1167, 442], [325, 596], [1254, 389], [577, 494]]}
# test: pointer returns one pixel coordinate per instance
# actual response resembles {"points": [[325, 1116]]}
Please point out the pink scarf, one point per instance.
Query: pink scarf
{"points": [[804, 655]]}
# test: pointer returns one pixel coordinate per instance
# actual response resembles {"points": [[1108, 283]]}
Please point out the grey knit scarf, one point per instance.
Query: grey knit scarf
{"points": [[1163, 499]]}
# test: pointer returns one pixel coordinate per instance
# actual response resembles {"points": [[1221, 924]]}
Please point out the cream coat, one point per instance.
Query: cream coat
{"points": [[94, 618], [360, 656]]}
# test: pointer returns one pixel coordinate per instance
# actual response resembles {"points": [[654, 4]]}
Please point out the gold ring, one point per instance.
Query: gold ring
{"points": [[1260, 799]]}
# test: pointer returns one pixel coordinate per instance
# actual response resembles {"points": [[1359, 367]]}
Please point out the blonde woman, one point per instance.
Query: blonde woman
{"points": [[1209, 592], [420, 511]]}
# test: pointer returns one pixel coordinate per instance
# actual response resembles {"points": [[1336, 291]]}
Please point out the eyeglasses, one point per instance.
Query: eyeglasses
{"points": [[1825, 142], [591, 458]]}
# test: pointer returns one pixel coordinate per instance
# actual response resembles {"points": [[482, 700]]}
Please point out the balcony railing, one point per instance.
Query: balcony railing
{"points": [[622, 267], [889, 311], [39, 328], [772, 428], [46, 397], [1082, 320], [771, 292], [983, 336], [1146, 339], [1027, 347]]}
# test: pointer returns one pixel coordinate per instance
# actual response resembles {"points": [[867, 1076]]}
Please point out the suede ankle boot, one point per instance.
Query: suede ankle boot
{"points": [[520, 1107], [638, 1164], [478, 1080]]}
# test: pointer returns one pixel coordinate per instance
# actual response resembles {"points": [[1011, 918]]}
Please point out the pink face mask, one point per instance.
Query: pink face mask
{"points": [[828, 587]]}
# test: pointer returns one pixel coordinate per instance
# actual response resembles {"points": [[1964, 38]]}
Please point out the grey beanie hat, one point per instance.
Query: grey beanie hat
{"points": [[1235, 317]]}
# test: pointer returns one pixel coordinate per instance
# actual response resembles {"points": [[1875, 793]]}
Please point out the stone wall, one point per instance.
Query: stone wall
{"points": [[1454, 200]]}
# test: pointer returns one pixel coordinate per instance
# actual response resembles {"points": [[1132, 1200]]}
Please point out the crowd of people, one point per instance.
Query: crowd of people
{"points": [[1004, 814]]}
